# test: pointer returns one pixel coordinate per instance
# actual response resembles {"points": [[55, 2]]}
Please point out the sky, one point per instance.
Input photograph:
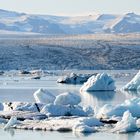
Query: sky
{"points": [[71, 7]]}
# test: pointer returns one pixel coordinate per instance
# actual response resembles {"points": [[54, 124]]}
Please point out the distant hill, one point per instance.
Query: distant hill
{"points": [[46, 24]]}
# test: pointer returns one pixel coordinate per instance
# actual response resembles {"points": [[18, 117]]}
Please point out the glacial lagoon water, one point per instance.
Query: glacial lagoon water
{"points": [[21, 88]]}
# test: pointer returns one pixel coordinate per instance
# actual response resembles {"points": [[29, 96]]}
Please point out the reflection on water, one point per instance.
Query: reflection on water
{"points": [[96, 99], [99, 98], [131, 94], [35, 135]]}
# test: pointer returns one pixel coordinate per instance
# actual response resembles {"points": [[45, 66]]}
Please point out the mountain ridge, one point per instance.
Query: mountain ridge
{"points": [[47, 24]]}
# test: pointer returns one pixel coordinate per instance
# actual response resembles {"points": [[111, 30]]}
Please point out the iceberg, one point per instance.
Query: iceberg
{"points": [[100, 82], [52, 110], [132, 105], [67, 98], [44, 96], [73, 78], [134, 84], [127, 124]]}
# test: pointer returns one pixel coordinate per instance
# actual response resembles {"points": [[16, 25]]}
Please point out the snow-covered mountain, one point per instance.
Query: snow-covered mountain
{"points": [[46, 24]]}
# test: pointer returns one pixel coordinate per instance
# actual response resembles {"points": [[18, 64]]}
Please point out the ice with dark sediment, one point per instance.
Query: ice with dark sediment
{"points": [[73, 78]]}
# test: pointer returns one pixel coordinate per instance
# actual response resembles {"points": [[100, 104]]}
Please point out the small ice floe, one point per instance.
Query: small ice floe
{"points": [[73, 78], [100, 82], [10, 123], [22, 106], [44, 96], [127, 124], [86, 125], [52, 110], [134, 84], [67, 98], [133, 105]]}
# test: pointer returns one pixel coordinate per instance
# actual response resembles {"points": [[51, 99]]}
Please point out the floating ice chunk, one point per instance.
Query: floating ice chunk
{"points": [[43, 96], [100, 82], [82, 128], [23, 106], [133, 105], [64, 110], [134, 84], [10, 123], [67, 98], [127, 124], [74, 78]]}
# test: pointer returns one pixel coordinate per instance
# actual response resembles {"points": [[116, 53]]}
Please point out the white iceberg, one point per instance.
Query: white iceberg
{"points": [[44, 96], [133, 105], [100, 82], [64, 110], [67, 98], [73, 78], [127, 124], [134, 84]]}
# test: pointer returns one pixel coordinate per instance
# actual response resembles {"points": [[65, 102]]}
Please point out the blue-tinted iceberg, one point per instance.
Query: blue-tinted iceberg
{"points": [[134, 84]]}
